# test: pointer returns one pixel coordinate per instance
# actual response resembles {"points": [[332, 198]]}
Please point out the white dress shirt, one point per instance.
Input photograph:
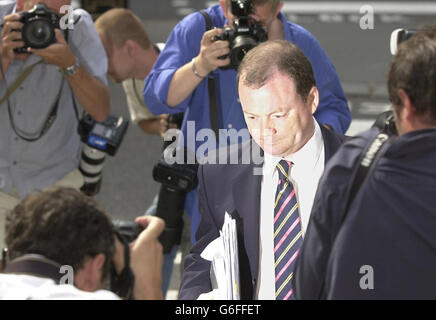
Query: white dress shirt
{"points": [[28, 287], [308, 165]]}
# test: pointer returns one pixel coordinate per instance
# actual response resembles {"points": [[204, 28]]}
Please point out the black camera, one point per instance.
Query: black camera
{"points": [[386, 123], [105, 136], [244, 34], [122, 284], [38, 30], [177, 180], [129, 230], [99, 138]]}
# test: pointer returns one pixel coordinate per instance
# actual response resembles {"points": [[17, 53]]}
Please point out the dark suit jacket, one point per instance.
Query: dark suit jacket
{"points": [[235, 189], [387, 238]]}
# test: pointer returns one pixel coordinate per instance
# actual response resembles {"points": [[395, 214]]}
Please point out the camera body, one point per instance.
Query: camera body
{"points": [[181, 177], [123, 284], [105, 136], [176, 180], [39, 25], [129, 230], [99, 138], [244, 34]]}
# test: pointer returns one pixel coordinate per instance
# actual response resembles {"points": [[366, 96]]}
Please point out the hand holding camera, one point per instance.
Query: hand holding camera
{"points": [[58, 53], [11, 38], [211, 51], [145, 255], [243, 35], [35, 31]]}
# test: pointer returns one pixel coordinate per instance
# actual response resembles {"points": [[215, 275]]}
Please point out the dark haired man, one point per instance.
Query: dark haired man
{"points": [[62, 228], [279, 96], [385, 246], [179, 80]]}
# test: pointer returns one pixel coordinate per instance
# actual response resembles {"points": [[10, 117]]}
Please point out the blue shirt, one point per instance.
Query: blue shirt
{"points": [[183, 44], [29, 166]]}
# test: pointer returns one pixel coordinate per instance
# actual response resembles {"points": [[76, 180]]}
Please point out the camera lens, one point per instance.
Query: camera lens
{"points": [[38, 33], [241, 46], [91, 167]]}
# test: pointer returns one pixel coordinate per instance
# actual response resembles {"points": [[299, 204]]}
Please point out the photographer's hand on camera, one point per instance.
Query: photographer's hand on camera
{"points": [[11, 39], [58, 53], [92, 94], [208, 60], [188, 77], [146, 259]]}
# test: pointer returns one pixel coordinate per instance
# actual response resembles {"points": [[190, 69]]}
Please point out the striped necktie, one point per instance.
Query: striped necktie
{"points": [[287, 233]]}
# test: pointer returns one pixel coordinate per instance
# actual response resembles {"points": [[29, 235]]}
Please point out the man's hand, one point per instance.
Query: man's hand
{"points": [[58, 54], [147, 258], [207, 61], [11, 39], [156, 126], [184, 81]]}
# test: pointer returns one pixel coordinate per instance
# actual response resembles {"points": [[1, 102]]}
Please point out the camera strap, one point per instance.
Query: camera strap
{"points": [[18, 81], [35, 265], [122, 284], [213, 108], [54, 109], [366, 164], [372, 153], [48, 122]]}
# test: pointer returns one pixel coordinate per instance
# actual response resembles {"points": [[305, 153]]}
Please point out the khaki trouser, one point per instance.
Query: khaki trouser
{"points": [[9, 200]]}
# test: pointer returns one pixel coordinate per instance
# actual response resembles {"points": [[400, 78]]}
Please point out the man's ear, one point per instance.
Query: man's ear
{"points": [[409, 111], [279, 8], [88, 278], [130, 47], [223, 4], [313, 99]]}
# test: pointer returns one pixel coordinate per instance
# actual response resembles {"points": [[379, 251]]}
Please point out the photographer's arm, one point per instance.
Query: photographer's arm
{"points": [[146, 259], [92, 94], [185, 81]]}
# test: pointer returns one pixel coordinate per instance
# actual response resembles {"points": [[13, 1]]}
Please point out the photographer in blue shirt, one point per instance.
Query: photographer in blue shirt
{"points": [[179, 79]]}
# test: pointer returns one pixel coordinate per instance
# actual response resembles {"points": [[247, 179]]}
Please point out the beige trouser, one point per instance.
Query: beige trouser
{"points": [[9, 200]]}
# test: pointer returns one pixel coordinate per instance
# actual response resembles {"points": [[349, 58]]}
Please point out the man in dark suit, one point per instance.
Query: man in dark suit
{"points": [[384, 245], [270, 202]]}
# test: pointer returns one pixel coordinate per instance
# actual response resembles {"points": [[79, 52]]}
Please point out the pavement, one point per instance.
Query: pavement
{"points": [[360, 56]]}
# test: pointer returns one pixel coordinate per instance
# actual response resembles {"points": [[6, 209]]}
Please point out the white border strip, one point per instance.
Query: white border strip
{"points": [[384, 7]]}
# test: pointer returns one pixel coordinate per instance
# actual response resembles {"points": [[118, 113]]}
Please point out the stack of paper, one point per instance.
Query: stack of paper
{"points": [[223, 253]]}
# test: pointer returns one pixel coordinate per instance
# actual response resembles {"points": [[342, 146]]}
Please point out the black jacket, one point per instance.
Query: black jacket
{"points": [[389, 233], [232, 188]]}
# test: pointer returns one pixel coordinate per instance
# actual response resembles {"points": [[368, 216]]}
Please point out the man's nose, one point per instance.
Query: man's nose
{"points": [[267, 127]]}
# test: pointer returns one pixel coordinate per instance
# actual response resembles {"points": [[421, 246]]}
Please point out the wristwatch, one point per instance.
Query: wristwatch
{"points": [[71, 70]]}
